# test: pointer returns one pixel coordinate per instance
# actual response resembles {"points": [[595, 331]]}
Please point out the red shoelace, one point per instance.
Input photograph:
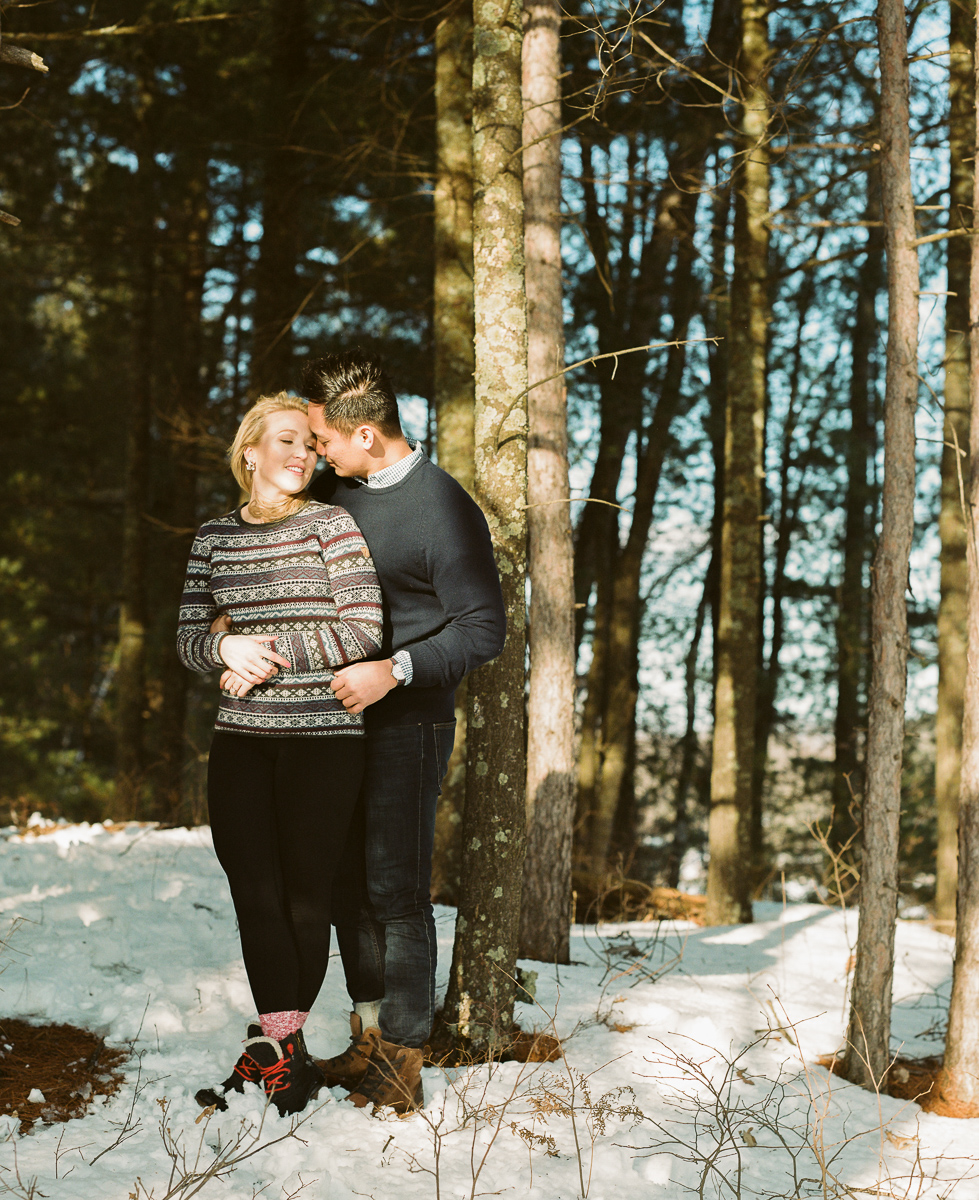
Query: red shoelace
{"points": [[248, 1068], [274, 1077]]}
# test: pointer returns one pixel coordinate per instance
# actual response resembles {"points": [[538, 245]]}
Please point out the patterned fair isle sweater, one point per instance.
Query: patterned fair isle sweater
{"points": [[310, 581]]}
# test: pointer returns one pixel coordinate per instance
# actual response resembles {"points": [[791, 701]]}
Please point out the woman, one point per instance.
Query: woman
{"points": [[294, 579]]}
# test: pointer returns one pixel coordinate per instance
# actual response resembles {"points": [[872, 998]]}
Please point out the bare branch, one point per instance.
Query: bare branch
{"points": [[69, 35], [17, 56]]}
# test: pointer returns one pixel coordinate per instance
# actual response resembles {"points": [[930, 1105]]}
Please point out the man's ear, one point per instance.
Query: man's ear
{"points": [[366, 436]]}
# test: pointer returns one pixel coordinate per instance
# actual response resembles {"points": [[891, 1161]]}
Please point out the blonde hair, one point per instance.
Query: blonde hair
{"points": [[250, 433]]}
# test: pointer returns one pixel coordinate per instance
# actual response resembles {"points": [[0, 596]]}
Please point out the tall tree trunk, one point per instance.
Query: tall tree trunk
{"points": [[718, 321], [479, 1004], [868, 1035], [689, 745], [545, 922], [185, 429], [621, 695], [728, 883], [951, 526], [278, 287], [851, 620], [958, 1083], [769, 671], [630, 320], [454, 362], [130, 673]]}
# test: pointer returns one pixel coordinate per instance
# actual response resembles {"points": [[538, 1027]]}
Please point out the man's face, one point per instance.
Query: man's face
{"points": [[349, 456]]}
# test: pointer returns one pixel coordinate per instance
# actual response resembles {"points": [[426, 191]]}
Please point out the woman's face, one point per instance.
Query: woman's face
{"points": [[285, 457]]}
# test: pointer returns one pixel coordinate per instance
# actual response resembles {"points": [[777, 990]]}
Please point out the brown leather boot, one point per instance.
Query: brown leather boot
{"points": [[393, 1079], [346, 1070]]}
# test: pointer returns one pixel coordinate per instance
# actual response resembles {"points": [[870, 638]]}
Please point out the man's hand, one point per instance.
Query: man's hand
{"points": [[221, 624], [250, 657], [362, 684], [230, 682]]}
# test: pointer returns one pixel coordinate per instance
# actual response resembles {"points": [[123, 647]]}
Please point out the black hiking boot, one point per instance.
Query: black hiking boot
{"points": [[246, 1070], [288, 1074]]}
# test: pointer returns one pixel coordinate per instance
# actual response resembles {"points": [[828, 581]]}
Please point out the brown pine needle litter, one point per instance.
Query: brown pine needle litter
{"points": [[912, 1079], [70, 1067]]}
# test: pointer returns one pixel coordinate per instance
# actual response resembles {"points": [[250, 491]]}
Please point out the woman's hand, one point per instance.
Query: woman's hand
{"points": [[250, 657], [221, 624], [230, 682]]}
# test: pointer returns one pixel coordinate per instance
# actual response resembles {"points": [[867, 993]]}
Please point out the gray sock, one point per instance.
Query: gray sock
{"points": [[369, 1012]]}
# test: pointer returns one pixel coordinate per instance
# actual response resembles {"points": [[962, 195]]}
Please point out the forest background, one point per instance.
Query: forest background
{"points": [[209, 193]]}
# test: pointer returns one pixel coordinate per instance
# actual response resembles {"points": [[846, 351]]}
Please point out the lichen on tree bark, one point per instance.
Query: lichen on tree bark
{"points": [[479, 1005]]}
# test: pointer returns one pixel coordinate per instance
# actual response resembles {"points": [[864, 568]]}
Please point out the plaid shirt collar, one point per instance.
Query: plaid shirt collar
{"points": [[388, 476]]}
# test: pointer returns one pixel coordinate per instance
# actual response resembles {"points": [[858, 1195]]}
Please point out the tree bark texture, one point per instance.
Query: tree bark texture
{"points": [[545, 927], [278, 287], [480, 1000], [958, 1083], [793, 462], [951, 524], [851, 620], [453, 309], [868, 1035], [454, 361], [729, 829], [620, 694]]}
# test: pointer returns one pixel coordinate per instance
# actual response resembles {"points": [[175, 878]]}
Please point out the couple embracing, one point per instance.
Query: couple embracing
{"points": [[343, 614]]}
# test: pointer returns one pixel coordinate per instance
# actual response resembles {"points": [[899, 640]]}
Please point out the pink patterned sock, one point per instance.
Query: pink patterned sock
{"points": [[279, 1025]]}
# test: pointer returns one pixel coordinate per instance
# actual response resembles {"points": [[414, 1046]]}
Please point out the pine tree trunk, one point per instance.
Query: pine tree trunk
{"points": [[851, 620], [770, 670], [278, 287], [953, 604], [479, 1004], [545, 923], [689, 745], [130, 678], [728, 883], [868, 1035], [184, 427], [957, 1087], [620, 695], [454, 363]]}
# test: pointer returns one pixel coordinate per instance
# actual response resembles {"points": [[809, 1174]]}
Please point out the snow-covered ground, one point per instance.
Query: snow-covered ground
{"points": [[689, 1056]]}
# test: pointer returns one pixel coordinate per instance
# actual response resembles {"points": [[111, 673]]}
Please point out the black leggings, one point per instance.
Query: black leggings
{"points": [[279, 810]]}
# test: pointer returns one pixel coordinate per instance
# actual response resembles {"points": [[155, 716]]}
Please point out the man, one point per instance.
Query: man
{"points": [[443, 617]]}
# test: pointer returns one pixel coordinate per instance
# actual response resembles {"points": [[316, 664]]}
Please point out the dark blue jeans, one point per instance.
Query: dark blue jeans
{"points": [[382, 905]]}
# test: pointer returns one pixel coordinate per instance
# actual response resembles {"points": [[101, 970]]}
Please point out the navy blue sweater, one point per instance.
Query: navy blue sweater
{"points": [[442, 601]]}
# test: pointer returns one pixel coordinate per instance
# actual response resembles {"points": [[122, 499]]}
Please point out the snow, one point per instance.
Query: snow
{"points": [[690, 1055]]}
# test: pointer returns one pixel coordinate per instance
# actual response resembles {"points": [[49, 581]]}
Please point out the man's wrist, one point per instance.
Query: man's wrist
{"points": [[401, 668]]}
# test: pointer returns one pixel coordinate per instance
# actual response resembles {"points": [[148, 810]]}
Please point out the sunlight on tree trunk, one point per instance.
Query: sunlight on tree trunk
{"points": [[868, 1034], [728, 881], [545, 923], [479, 1004], [958, 1083], [951, 526]]}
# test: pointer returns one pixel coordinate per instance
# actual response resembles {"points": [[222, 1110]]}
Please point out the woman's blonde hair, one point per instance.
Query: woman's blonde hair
{"points": [[250, 433]]}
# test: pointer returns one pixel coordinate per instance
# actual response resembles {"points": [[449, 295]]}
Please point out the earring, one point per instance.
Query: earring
{"points": [[249, 464]]}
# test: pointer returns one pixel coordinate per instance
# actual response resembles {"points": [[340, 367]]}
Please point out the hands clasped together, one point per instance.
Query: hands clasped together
{"points": [[251, 660]]}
